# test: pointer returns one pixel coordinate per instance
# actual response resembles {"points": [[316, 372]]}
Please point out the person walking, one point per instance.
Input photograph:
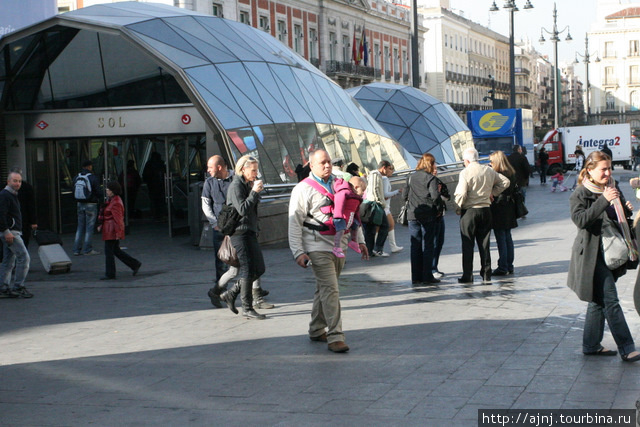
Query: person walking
{"points": [[503, 214], [543, 157], [112, 226], [244, 196], [422, 213], [13, 249], [522, 168], [312, 249], [476, 185], [598, 199], [87, 194], [375, 194], [579, 165]]}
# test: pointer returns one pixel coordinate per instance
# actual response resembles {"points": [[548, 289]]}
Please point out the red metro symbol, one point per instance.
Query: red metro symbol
{"points": [[186, 119], [42, 125]]}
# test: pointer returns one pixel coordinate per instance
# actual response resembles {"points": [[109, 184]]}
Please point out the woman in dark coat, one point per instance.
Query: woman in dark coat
{"points": [[503, 212], [423, 210], [243, 194], [112, 225], [596, 198]]}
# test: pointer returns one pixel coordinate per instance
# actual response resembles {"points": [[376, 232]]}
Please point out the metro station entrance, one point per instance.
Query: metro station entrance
{"points": [[155, 173]]}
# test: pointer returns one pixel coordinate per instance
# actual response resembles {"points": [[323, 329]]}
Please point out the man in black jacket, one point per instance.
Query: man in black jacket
{"points": [[14, 250], [523, 170]]}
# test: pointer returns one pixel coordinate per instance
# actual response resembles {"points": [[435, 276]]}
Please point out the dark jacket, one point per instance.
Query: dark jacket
{"points": [[424, 199], [503, 208], [214, 192], [543, 157], [245, 200], [96, 194], [587, 212], [27, 199], [521, 165], [10, 216]]}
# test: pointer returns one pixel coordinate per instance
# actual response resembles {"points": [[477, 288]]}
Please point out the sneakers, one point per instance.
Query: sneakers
{"points": [[93, 252], [438, 274], [380, 253], [355, 246], [338, 252], [395, 249], [5, 292], [22, 292]]}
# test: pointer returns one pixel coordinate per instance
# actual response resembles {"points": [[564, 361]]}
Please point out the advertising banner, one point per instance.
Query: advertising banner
{"points": [[492, 123], [16, 14]]}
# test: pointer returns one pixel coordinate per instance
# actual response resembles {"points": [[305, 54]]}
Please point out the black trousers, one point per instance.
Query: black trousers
{"points": [[251, 264], [112, 250], [376, 243], [475, 227]]}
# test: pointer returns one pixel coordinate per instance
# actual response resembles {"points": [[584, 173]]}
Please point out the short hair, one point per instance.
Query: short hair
{"points": [[470, 154], [427, 163], [87, 163], [219, 160], [517, 148], [115, 188], [244, 161], [11, 172], [384, 164], [353, 169]]}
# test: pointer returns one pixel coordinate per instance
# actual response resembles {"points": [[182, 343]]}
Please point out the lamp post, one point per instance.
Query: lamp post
{"points": [[555, 39], [586, 61], [415, 54], [511, 6]]}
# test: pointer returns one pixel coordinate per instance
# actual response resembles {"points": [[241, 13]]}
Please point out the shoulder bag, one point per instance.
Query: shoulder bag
{"points": [[227, 253], [228, 220], [614, 248], [518, 198]]}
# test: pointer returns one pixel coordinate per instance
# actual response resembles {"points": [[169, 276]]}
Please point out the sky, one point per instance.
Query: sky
{"points": [[579, 15]]}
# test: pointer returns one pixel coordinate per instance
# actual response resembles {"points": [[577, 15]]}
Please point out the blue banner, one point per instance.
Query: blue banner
{"points": [[492, 123]]}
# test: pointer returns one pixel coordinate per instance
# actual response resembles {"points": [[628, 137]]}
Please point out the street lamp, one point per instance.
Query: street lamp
{"points": [[586, 61], [555, 39], [512, 7]]}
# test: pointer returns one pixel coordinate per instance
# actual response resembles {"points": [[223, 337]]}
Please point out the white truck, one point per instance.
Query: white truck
{"points": [[561, 143]]}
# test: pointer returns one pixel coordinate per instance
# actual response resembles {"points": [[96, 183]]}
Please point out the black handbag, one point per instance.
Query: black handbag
{"points": [[228, 220], [518, 198]]}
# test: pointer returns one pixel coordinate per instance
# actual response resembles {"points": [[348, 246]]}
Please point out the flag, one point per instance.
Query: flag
{"points": [[364, 49], [354, 48]]}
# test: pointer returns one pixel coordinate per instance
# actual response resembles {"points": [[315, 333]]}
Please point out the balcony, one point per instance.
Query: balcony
{"points": [[634, 81], [610, 81], [387, 75], [405, 78], [377, 73], [523, 89], [396, 76], [349, 69], [521, 71]]}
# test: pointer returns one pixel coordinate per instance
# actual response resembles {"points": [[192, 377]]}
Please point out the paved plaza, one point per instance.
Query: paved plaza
{"points": [[151, 350]]}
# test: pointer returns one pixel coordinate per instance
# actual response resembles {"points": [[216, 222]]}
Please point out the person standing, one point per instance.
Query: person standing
{"points": [[598, 199], [112, 227], [522, 169], [87, 194], [388, 194], [503, 214], [606, 150], [439, 226], [244, 196], [13, 248], [27, 199], [375, 194], [543, 157], [476, 184], [579, 165], [310, 248], [422, 212]]}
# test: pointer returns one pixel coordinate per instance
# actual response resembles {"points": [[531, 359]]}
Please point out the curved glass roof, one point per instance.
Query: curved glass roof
{"points": [[420, 122], [267, 98]]}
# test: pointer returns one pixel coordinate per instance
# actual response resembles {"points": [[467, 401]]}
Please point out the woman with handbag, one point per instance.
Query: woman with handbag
{"points": [[597, 200], [424, 200], [244, 196], [111, 220], [503, 212]]}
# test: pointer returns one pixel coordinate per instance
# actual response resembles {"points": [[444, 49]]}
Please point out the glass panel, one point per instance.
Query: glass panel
{"points": [[245, 93], [261, 75], [291, 93], [346, 142], [393, 152], [222, 30], [222, 103], [369, 161], [179, 57], [160, 31], [178, 168], [327, 135]]}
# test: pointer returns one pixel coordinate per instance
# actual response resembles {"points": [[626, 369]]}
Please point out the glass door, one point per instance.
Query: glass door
{"points": [[177, 183]]}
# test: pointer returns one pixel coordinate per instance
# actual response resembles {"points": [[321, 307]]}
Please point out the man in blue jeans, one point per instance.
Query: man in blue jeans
{"points": [[14, 250], [87, 194]]}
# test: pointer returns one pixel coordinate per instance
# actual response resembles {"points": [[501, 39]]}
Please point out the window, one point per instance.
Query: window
{"points": [[386, 59], [610, 102], [264, 23], [634, 48], [634, 74], [609, 52], [376, 56], [297, 38], [609, 76], [282, 31], [446, 41], [634, 100], [244, 18], [217, 10], [333, 41], [405, 59], [346, 55], [313, 41]]}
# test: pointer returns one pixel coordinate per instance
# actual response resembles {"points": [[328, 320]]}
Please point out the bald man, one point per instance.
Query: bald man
{"points": [[310, 248]]}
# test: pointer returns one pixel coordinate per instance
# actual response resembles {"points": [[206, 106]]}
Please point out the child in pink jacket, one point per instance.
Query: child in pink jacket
{"points": [[346, 211]]}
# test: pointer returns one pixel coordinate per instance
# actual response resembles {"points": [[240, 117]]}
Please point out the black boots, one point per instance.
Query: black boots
{"points": [[252, 314], [258, 300], [214, 296], [230, 296]]}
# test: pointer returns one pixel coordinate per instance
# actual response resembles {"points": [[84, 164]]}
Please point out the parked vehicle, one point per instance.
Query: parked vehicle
{"points": [[561, 143], [494, 130]]}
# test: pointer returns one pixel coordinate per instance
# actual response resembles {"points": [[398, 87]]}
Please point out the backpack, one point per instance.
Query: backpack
{"points": [[326, 228], [228, 220], [82, 188]]}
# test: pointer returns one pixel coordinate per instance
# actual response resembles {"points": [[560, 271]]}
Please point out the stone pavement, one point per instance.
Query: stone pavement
{"points": [[151, 350]]}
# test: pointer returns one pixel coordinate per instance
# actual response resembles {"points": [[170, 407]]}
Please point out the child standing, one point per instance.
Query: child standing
{"points": [[346, 212], [557, 181]]}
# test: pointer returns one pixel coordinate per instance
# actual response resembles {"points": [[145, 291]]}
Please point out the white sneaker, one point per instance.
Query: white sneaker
{"points": [[380, 253], [395, 249], [438, 274]]}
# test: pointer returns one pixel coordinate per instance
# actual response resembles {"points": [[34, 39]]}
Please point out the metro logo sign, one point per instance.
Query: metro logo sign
{"points": [[42, 125]]}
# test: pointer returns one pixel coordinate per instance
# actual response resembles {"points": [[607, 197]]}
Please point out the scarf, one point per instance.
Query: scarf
{"points": [[622, 220]]}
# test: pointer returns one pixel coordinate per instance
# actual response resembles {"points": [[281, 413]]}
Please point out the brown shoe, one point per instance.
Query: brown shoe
{"points": [[319, 338], [338, 347]]}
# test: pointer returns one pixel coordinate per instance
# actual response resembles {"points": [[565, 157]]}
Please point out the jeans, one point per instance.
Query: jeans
{"points": [[221, 267], [326, 312], [505, 249], [251, 264], [14, 253], [112, 250], [605, 306], [422, 249], [438, 242], [87, 214], [475, 227], [376, 243]]}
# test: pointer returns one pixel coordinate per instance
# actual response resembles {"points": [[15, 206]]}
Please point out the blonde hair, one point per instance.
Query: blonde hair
{"points": [[590, 163], [427, 163], [244, 161], [500, 164]]}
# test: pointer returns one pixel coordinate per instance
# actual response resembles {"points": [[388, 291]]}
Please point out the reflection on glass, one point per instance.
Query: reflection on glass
{"points": [[346, 142]]}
